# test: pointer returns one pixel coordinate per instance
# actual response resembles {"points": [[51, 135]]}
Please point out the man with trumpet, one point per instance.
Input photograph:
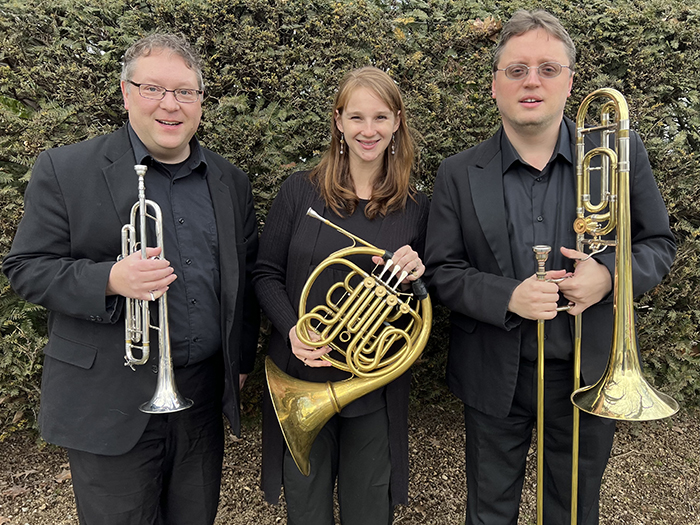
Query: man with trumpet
{"points": [[491, 205], [129, 466]]}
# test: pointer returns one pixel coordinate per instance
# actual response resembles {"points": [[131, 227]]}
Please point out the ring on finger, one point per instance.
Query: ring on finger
{"points": [[153, 297]]}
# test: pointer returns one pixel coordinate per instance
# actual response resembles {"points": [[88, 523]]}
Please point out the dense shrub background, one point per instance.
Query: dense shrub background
{"points": [[271, 70]]}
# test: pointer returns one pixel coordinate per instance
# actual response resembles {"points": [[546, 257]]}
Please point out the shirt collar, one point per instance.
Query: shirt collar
{"points": [[563, 148], [143, 156]]}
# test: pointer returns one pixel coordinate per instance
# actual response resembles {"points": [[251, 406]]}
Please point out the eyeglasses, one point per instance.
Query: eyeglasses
{"points": [[545, 70], [183, 95]]}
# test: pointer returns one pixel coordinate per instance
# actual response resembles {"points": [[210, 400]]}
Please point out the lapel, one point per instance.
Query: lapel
{"points": [[119, 173], [227, 228], [486, 183]]}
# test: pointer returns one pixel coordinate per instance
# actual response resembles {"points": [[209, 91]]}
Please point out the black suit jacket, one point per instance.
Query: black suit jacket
{"points": [[77, 200], [470, 270]]}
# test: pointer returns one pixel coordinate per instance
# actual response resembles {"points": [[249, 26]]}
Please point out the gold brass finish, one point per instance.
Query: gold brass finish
{"points": [[622, 393], [360, 325], [541, 255]]}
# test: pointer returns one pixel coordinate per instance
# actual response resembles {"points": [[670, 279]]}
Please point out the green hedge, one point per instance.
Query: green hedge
{"points": [[271, 70]]}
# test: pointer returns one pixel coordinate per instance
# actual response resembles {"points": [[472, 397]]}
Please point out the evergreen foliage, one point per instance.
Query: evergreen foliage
{"points": [[271, 70]]}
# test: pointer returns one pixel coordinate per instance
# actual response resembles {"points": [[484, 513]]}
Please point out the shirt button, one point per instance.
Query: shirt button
{"points": [[188, 261], [540, 219], [538, 179], [181, 220], [194, 301], [154, 369], [195, 339]]}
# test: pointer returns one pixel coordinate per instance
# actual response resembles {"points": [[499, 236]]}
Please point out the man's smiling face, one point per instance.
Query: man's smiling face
{"points": [[164, 126]]}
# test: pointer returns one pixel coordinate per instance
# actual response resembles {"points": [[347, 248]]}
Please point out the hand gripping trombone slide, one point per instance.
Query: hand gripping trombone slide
{"points": [[166, 398]]}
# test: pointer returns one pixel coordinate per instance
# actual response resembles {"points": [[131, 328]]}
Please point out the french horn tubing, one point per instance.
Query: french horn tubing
{"points": [[377, 328]]}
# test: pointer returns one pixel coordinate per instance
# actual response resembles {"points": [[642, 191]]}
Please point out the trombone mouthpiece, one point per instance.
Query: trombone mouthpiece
{"points": [[140, 169], [541, 249]]}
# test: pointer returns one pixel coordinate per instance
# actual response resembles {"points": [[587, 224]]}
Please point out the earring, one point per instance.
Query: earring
{"points": [[393, 143], [342, 140]]}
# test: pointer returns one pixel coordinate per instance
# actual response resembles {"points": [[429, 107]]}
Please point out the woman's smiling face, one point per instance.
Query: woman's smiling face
{"points": [[368, 125]]}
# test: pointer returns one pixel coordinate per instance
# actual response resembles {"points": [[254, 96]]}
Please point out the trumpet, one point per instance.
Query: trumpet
{"points": [[166, 398], [360, 325]]}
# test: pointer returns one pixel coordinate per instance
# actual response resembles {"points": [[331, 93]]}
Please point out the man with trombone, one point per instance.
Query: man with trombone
{"points": [[511, 359], [92, 257]]}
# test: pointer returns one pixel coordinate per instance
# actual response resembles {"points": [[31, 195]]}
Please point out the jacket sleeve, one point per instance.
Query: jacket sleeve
{"points": [[44, 266], [270, 276], [251, 309], [454, 244]]}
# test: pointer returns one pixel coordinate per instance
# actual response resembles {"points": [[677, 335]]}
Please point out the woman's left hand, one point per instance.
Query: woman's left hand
{"points": [[407, 259]]}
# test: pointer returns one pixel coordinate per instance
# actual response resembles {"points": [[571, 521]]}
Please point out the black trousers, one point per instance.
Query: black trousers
{"points": [[173, 474], [496, 451], [356, 450]]}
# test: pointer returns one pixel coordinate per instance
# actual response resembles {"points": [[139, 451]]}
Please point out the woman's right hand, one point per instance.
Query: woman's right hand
{"points": [[308, 355]]}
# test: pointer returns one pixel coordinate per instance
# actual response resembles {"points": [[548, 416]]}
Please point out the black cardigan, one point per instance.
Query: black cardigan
{"points": [[279, 277]]}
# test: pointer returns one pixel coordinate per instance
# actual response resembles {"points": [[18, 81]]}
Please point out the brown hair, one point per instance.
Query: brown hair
{"points": [[162, 41], [523, 21], [332, 175]]}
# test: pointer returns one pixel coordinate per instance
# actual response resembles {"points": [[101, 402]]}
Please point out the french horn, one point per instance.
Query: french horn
{"points": [[378, 329]]}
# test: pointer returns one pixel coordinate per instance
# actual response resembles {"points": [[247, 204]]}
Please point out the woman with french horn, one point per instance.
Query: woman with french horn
{"points": [[362, 183]]}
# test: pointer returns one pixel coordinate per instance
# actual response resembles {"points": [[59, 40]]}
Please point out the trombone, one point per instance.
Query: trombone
{"points": [[137, 326], [622, 393]]}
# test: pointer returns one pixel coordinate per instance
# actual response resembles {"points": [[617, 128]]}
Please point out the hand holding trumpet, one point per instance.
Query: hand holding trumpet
{"points": [[138, 278]]}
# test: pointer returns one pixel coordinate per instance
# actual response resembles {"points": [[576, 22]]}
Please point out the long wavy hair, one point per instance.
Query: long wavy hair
{"points": [[332, 175]]}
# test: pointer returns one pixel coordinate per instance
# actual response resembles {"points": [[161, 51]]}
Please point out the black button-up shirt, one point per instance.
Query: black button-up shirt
{"points": [[540, 209], [190, 244]]}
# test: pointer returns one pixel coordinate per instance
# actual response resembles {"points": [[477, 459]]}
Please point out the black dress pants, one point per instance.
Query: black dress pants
{"points": [[356, 450], [496, 451], [172, 476]]}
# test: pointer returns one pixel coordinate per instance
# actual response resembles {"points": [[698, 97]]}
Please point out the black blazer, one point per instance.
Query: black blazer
{"points": [[470, 270], [77, 200]]}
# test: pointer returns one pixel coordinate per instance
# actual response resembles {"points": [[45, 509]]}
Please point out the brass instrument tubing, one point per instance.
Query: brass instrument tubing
{"points": [[541, 254]]}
